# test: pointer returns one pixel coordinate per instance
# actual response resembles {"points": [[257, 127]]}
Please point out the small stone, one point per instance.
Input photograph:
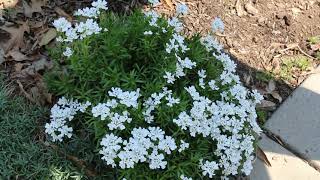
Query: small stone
{"points": [[261, 20], [288, 20], [250, 9]]}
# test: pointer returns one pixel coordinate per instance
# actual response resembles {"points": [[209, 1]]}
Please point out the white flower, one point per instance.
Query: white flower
{"points": [[170, 77], [153, 15], [171, 100], [128, 98], [182, 177], [211, 43], [157, 161], [208, 168], [174, 22], [257, 96], [217, 25], [87, 28], [154, 2], [63, 111], [167, 144], [156, 133], [62, 24], [100, 4], [91, 12], [59, 39], [183, 146], [182, 9], [117, 120], [148, 33], [111, 144], [68, 52], [102, 109], [212, 85]]}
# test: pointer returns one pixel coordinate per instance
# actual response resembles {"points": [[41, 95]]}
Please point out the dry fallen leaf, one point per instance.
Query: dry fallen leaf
{"points": [[16, 37], [61, 12], [17, 55], [262, 156], [34, 6], [26, 94], [276, 96], [48, 36], [239, 9], [271, 86], [266, 105], [169, 3], [1, 56]]}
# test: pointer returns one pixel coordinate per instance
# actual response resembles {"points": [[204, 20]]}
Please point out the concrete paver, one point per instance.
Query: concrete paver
{"points": [[297, 121], [284, 164]]}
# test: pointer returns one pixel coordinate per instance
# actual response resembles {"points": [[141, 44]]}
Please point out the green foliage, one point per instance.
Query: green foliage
{"points": [[314, 40], [262, 117], [125, 57], [264, 76], [300, 63], [21, 156]]}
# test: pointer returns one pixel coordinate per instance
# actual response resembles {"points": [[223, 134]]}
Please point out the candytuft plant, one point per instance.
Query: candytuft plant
{"points": [[158, 105]]}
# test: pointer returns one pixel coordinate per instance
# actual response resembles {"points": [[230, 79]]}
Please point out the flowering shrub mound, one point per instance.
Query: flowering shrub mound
{"points": [[160, 106]]}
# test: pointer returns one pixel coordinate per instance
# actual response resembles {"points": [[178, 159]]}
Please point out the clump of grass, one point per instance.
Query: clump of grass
{"points": [[21, 156], [264, 76], [292, 64], [314, 40], [262, 117]]}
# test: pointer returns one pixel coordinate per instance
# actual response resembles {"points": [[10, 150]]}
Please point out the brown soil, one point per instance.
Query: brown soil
{"points": [[260, 35]]}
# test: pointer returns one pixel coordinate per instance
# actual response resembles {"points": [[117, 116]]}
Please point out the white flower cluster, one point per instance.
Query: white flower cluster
{"points": [[61, 113], [154, 16], [137, 148], [217, 25], [211, 43], [128, 98], [82, 29], [182, 9], [68, 52], [202, 76], [182, 177], [183, 146], [104, 110], [174, 22], [152, 102], [216, 119], [180, 66], [209, 168], [154, 2], [94, 11]]}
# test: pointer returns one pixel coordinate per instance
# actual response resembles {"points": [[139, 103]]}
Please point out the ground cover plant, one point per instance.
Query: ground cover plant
{"points": [[22, 156], [156, 105]]}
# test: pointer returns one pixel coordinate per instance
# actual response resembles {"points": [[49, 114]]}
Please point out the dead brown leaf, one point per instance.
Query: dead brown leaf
{"points": [[48, 36], [1, 56], [277, 96], [169, 3], [17, 55], [34, 6], [26, 94], [16, 36], [271, 86], [8, 3], [315, 47], [239, 9], [61, 12], [262, 156], [266, 105]]}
